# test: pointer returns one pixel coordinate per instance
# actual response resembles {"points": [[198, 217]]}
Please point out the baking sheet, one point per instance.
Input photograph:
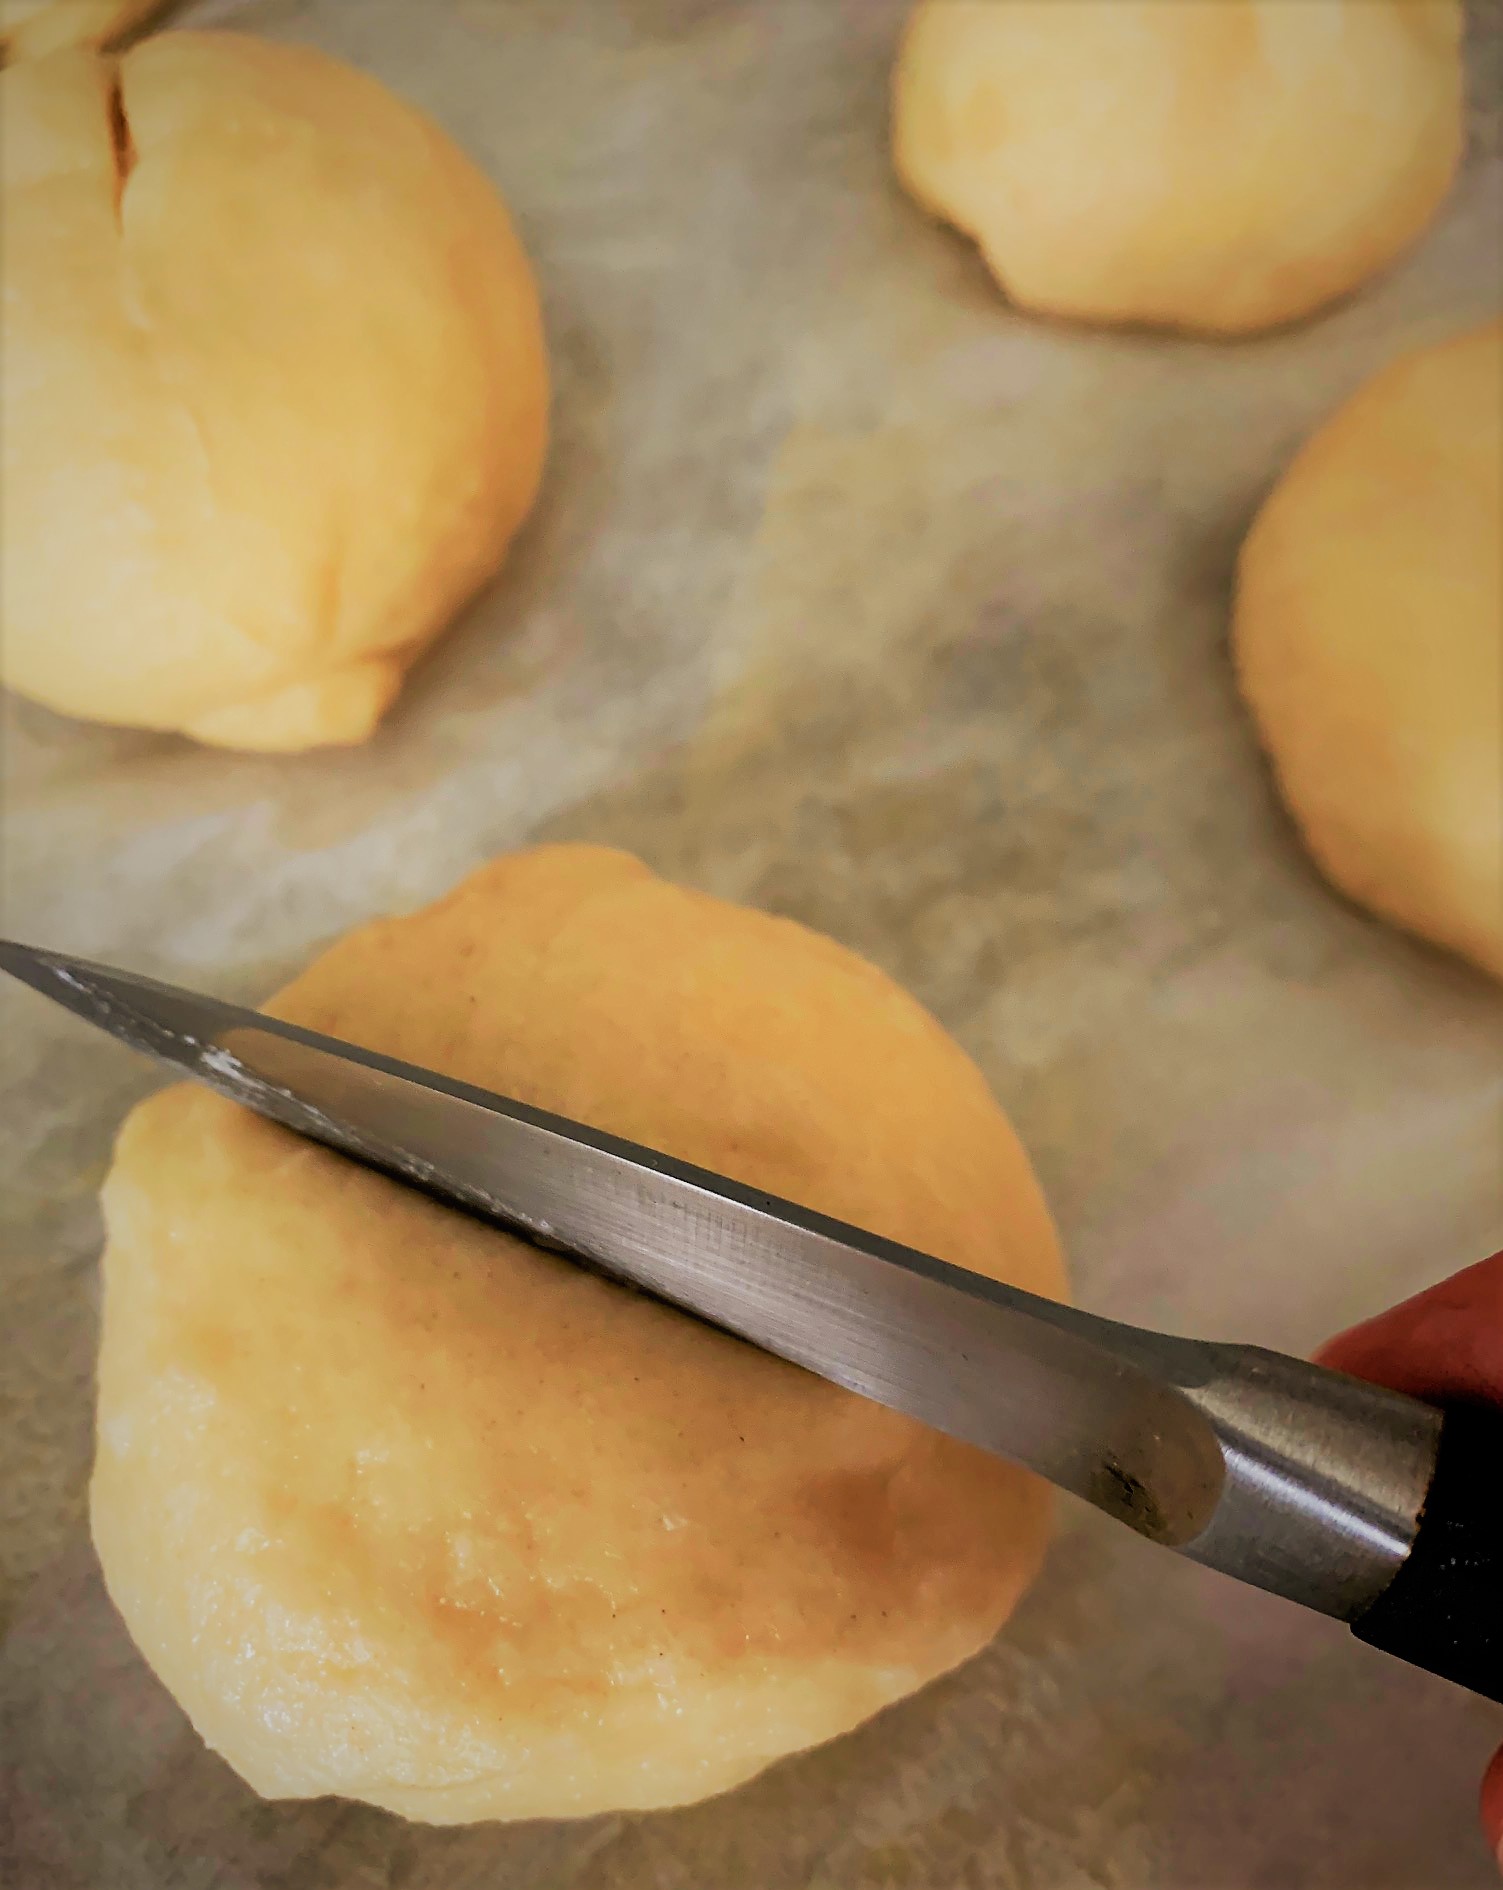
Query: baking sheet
{"points": [[854, 595]]}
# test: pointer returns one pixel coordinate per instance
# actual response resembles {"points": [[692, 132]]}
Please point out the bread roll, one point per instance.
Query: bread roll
{"points": [[274, 389], [403, 1508], [1369, 643], [1220, 166]]}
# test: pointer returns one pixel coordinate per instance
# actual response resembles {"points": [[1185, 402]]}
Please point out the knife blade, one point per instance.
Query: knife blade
{"points": [[897, 1326], [1293, 1478]]}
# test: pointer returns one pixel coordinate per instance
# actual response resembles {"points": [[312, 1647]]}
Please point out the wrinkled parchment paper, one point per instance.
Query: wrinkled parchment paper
{"points": [[857, 596]]}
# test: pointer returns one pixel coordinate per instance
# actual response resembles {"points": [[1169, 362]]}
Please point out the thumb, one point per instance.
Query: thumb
{"points": [[1492, 1805]]}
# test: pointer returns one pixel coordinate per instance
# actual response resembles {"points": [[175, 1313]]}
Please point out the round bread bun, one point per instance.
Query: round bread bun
{"points": [[1219, 166], [274, 389], [29, 29], [403, 1508], [1369, 643]]}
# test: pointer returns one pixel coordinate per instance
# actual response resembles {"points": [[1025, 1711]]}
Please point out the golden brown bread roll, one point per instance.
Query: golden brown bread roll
{"points": [[402, 1508], [274, 389], [1369, 643], [1211, 165]]}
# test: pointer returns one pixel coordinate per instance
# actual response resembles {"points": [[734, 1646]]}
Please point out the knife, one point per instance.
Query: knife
{"points": [[1361, 1503]]}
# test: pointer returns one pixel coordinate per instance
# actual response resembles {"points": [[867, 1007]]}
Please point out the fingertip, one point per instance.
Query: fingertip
{"points": [[1446, 1342], [1492, 1805]]}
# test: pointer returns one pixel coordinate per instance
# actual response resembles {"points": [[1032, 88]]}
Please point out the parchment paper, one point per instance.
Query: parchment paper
{"points": [[858, 596]]}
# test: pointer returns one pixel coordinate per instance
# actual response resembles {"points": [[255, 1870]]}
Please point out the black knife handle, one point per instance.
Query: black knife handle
{"points": [[1444, 1609]]}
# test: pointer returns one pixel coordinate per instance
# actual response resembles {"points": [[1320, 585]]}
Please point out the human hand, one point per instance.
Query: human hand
{"points": [[1444, 1344]]}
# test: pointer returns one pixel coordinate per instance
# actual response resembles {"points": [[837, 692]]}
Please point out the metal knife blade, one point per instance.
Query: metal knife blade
{"points": [[987, 1363], [1359, 1502]]}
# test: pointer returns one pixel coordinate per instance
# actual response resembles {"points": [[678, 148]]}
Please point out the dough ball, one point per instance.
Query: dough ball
{"points": [[402, 1508], [1369, 643], [1213, 165], [31, 28], [274, 389]]}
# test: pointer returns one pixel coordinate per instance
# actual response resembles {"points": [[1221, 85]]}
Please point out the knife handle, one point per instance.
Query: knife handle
{"points": [[1443, 1611]]}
